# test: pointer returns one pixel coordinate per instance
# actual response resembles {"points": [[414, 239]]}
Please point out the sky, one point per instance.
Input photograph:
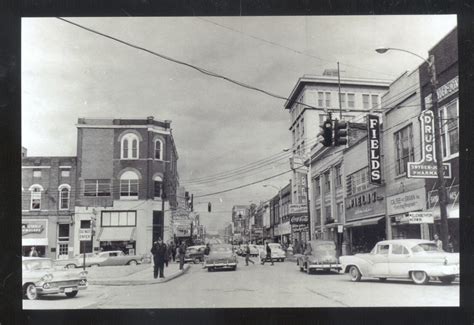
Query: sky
{"points": [[220, 129]]}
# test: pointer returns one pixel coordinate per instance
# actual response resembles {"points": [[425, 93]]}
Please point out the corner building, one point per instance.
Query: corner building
{"points": [[127, 182]]}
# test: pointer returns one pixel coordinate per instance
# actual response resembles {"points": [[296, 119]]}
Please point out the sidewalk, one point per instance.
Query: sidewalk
{"points": [[141, 276]]}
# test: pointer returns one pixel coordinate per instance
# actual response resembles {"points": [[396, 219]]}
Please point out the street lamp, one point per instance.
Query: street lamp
{"points": [[439, 159], [279, 209]]}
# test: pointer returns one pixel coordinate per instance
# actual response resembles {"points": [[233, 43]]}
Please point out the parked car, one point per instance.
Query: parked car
{"points": [[415, 259], [221, 256], [253, 250], [319, 255], [108, 258], [41, 276], [278, 254], [195, 254]]}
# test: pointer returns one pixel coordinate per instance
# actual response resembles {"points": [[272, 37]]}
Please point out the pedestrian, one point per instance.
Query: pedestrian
{"points": [[450, 244], [173, 250], [438, 242], [207, 249], [159, 256], [182, 252], [247, 255], [33, 252], [269, 255], [167, 255]]}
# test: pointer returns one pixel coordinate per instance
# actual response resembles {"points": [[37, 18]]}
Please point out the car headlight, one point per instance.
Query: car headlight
{"points": [[47, 277]]}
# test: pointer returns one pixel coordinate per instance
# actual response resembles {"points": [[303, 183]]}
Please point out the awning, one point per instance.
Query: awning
{"points": [[116, 234], [34, 242], [363, 222], [453, 211]]}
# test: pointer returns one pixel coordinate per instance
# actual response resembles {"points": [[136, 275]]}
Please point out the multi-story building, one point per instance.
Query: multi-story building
{"points": [[126, 183], [48, 201], [240, 219], [321, 94]]}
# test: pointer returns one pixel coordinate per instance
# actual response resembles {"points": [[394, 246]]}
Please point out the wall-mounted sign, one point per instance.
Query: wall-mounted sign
{"points": [[373, 146], [182, 230], [299, 220], [85, 234], [31, 228], [298, 209], [444, 91], [426, 167], [417, 218], [453, 196], [366, 204], [406, 202], [299, 228]]}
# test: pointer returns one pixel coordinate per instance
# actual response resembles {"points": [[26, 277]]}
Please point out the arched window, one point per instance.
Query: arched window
{"points": [[36, 191], [129, 186], [64, 196], [129, 146], [158, 149], [157, 187]]}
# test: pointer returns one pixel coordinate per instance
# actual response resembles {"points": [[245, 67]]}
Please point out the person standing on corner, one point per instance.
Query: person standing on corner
{"points": [[182, 252], [269, 255], [438, 242], [159, 251]]}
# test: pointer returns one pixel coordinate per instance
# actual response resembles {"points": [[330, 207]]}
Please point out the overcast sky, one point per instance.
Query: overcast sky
{"points": [[69, 73]]}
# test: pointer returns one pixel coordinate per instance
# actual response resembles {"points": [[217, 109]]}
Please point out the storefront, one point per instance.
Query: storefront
{"points": [[117, 238], [398, 208], [365, 220], [282, 233], [34, 233]]}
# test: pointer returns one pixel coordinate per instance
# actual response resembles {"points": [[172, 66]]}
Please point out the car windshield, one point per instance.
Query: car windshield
{"points": [[324, 247], [221, 249], [426, 247], [193, 249], [34, 265], [278, 246]]}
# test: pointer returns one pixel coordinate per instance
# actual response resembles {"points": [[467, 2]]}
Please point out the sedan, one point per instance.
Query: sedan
{"points": [[319, 255], [108, 258], [221, 256], [278, 254], [195, 254], [415, 259], [41, 277]]}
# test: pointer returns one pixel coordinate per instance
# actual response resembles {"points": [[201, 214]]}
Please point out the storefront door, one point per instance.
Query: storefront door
{"points": [[63, 241]]}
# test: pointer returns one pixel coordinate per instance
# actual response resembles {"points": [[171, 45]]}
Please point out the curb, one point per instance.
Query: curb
{"points": [[125, 282]]}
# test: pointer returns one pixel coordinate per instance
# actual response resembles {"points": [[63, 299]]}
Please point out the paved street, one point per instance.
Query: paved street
{"points": [[281, 285]]}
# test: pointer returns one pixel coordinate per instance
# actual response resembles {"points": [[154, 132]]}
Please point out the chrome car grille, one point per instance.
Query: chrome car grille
{"points": [[64, 283]]}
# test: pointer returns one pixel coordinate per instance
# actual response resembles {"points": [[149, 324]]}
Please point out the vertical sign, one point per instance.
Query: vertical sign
{"points": [[373, 145]]}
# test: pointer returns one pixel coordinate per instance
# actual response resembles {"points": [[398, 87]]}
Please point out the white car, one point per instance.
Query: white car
{"points": [[414, 259], [278, 254]]}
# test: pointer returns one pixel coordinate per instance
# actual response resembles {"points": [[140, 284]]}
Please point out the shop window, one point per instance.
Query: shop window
{"points": [[404, 151], [129, 186], [97, 187], [119, 219], [450, 129], [64, 196], [36, 193], [158, 149], [129, 146]]}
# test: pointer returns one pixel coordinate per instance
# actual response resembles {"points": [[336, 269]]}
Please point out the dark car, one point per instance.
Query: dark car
{"points": [[195, 254], [319, 255], [221, 256]]}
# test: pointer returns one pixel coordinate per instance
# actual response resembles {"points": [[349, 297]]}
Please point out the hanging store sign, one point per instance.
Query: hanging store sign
{"points": [[299, 220], [426, 167], [417, 218], [373, 146]]}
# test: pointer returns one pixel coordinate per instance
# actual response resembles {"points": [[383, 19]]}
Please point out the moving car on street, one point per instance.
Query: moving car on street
{"points": [[319, 255], [194, 254], [108, 258], [221, 256], [415, 259], [40, 277], [278, 254]]}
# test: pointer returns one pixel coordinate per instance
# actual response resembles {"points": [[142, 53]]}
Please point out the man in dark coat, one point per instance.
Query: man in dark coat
{"points": [[173, 250], [269, 255], [182, 252], [159, 251]]}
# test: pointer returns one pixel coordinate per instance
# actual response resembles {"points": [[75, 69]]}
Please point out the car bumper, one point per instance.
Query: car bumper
{"points": [[65, 289], [444, 270], [325, 266], [221, 265]]}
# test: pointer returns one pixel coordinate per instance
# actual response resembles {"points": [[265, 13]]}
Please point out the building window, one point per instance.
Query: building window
{"points": [[85, 224], [294, 136], [365, 101], [97, 187], [328, 99], [375, 101], [118, 219], [403, 149], [129, 186], [302, 127], [64, 196], [340, 211], [450, 129], [158, 149], [343, 100], [65, 173], [36, 192], [36, 173], [358, 181], [328, 212], [317, 189], [338, 176], [129, 146], [157, 187], [350, 100], [327, 182], [320, 99]]}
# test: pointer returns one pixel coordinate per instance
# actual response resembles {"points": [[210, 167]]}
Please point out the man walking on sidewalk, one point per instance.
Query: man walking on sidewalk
{"points": [[159, 255], [182, 252], [247, 255], [269, 255]]}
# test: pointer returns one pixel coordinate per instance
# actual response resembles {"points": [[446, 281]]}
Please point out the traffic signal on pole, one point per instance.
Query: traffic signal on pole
{"points": [[209, 207], [340, 133], [326, 133]]}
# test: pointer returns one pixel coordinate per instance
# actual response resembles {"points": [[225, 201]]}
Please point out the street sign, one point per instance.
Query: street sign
{"points": [[85, 234], [340, 228]]}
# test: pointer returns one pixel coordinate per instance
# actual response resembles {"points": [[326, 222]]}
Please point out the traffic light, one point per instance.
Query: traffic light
{"points": [[209, 207], [340, 133], [326, 133]]}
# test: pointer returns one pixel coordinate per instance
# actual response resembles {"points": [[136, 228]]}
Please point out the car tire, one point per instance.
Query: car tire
{"points": [[210, 269], [355, 273], [71, 294], [383, 279], [447, 279], [132, 262], [419, 277], [30, 291], [70, 266]]}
